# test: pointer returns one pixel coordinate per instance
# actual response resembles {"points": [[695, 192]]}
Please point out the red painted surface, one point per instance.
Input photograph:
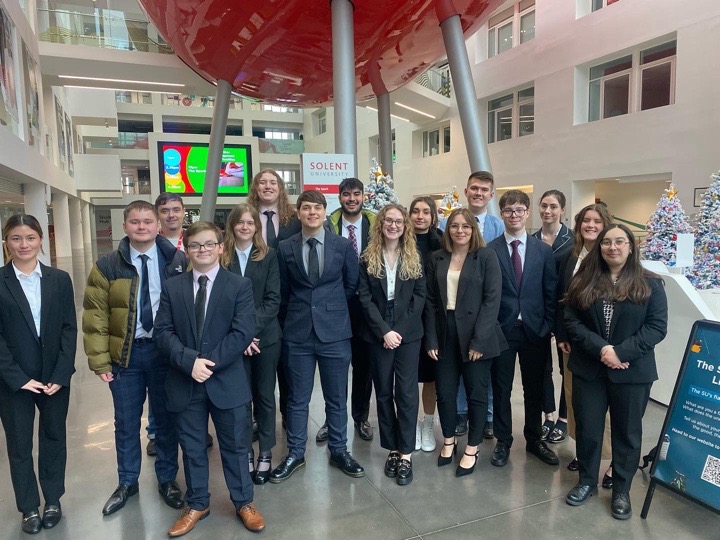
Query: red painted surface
{"points": [[280, 50]]}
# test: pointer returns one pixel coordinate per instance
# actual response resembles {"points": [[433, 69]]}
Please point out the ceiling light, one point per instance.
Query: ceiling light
{"points": [[399, 117], [102, 79], [371, 108], [142, 91], [414, 110]]}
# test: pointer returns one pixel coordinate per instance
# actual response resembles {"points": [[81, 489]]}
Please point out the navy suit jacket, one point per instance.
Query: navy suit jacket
{"points": [[536, 298], [322, 307], [229, 330]]}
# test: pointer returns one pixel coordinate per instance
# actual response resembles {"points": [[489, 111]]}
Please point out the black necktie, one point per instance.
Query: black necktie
{"points": [[146, 317], [271, 236], [200, 307], [313, 262]]}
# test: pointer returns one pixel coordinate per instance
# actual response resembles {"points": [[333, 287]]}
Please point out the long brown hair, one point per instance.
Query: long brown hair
{"points": [[18, 220], [592, 281], [285, 210], [409, 261], [261, 248], [476, 239], [578, 241]]}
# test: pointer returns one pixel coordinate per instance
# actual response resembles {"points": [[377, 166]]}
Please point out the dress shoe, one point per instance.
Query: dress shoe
{"points": [[558, 433], [31, 522], [150, 448], [261, 477], [171, 494], [286, 469], [579, 495], [365, 430], [322, 434], [119, 497], [543, 453], [347, 464], [462, 471], [547, 427], [51, 515], [428, 437], [488, 432], [187, 521], [461, 425], [443, 460], [500, 455], [404, 472], [620, 506], [574, 465], [391, 464], [607, 482], [209, 441], [251, 518]]}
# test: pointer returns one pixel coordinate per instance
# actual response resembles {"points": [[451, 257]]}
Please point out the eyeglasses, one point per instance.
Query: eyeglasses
{"points": [[455, 227], [194, 246], [519, 212], [397, 222], [618, 242]]}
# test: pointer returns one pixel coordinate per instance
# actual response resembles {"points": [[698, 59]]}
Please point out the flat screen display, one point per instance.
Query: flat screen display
{"points": [[182, 168]]}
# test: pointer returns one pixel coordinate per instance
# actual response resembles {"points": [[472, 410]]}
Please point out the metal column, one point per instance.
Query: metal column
{"points": [[217, 141], [343, 54], [385, 133]]}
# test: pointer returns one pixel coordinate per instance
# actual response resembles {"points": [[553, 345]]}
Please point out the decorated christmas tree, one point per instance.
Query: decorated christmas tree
{"points": [[706, 272], [379, 192], [665, 223]]}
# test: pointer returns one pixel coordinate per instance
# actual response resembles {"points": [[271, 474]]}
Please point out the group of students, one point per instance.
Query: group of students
{"points": [[403, 297]]}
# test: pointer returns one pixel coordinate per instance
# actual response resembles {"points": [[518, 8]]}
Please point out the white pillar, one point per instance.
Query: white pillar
{"points": [[86, 226], [61, 221], [76, 232], [36, 205]]}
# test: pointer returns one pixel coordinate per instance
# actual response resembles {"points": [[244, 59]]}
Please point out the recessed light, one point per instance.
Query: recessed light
{"points": [[414, 110], [371, 108], [102, 79]]}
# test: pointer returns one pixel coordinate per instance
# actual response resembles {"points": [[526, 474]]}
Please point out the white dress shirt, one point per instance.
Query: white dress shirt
{"points": [[154, 282], [481, 222], [275, 220], [243, 257], [30, 284], [522, 247], [358, 231]]}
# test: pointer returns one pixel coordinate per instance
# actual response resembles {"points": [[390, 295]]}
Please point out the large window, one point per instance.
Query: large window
{"points": [[436, 141], [599, 4], [612, 84], [320, 121], [511, 27], [511, 115]]}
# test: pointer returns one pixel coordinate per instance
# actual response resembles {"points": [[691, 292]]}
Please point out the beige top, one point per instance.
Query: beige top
{"points": [[453, 277]]}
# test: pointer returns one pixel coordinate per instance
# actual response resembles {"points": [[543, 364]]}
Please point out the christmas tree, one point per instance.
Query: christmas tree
{"points": [[379, 191], [706, 272], [451, 201], [665, 223]]}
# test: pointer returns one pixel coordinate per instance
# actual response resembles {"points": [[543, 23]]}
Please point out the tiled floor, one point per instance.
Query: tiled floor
{"points": [[524, 500]]}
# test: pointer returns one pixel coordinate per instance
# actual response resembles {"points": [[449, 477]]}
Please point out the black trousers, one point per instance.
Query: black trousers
{"points": [[361, 379], [532, 369], [17, 411], [395, 374], [476, 377], [283, 389], [549, 386], [627, 403], [261, 369]]}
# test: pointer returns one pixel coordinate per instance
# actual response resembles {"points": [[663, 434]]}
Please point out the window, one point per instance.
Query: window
{"points": [[512, 115], [512, 26], [321, 121], [446, 139], [290, 179], [657, 76], [435, 141], [599, 4]]}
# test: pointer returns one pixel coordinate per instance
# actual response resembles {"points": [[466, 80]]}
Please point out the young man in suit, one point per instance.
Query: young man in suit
{"points": [[121, 299], [354, 223], [527, 315], [207, 374], [318, 275]]}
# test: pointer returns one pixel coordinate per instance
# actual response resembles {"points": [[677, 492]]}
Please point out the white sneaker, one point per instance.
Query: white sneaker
{"points": [[418, 436], [428, 437]]}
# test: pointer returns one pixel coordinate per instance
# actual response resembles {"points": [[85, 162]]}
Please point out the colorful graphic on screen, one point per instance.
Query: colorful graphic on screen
{"points": [[183, 166]]}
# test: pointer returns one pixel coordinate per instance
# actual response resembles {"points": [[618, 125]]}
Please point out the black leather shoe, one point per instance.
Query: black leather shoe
{"points": [[261, 477], [500, 455], [322, 434], [51, 515], [547, 427], [31, 522], [347, 464], [579, 495], [543, 453], [488, 432], [286, 469], [150, 448], [391, 464], [404, 472], [461, 425], [209, 440], [574, 465], [365, 430], [607, 481], [119, 497], [558, 433], [171, 494], [620, 506]]}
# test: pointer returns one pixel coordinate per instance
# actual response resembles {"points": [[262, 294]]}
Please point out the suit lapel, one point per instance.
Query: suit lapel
{"points": [[234, 266], [189, 300], [217, 292], [466, 274], [617, 311], [297, 252], [330, 247], [505, 262], [47, 284], [383, 282], [251, 266], [443, 266], [18, 294]]}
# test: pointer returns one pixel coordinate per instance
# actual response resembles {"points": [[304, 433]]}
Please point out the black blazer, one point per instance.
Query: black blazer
{"points": [[565, 276], [49, 357], [265, 278], [408, 307], [476, 307], [286, 231], [537, 297], [562, 245], [635, 330], [229, 330]]}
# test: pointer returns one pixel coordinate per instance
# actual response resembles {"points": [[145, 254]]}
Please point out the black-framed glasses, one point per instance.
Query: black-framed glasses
{"points": [[519, 212], [195, 246]]}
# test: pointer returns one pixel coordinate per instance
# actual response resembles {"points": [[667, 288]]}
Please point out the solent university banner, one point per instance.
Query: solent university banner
{"points": [[324, 172]]}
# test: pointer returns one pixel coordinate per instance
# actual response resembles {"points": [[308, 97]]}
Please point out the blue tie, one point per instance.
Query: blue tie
{"points": [[146, 317]]}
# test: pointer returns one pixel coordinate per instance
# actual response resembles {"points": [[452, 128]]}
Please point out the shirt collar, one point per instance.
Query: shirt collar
{"points": [[320, 237], [37, 270], [510, 238], [357, 223], [245, 251], [151, 253], [266, 208], [211, 274]]}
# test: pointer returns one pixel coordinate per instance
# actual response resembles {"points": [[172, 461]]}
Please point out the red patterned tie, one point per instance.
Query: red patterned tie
{"points": [[516, 262], [353, 239]]}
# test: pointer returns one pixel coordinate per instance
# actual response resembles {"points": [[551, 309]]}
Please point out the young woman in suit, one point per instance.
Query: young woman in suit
{"points": [[424, 218], [462, 332], [38, 333], [615, 315], [246, 253], [392, 296]]}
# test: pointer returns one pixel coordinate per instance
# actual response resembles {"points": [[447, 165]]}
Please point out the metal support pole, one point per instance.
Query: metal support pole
{"points": [[217, 141], [343, 55], [385, 133]]}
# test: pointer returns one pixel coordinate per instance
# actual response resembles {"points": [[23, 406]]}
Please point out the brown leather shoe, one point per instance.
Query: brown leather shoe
{"points": [[251, 518], [187, 521]]}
